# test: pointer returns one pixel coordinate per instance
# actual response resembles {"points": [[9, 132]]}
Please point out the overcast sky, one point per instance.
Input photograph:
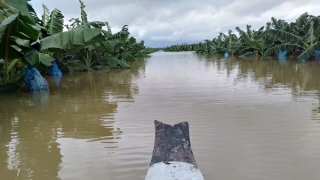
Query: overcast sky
{"points": [[167, 22]]}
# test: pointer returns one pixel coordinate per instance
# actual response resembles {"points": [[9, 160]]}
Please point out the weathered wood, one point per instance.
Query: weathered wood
{"points": [[172, 143]]}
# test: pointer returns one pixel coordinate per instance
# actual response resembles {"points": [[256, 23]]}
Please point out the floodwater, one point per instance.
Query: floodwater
{"points": [[249, 119]]}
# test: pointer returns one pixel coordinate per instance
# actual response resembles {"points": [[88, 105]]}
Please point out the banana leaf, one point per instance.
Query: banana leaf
{"points": [[309, 51], [280, 48], [284, 35], [15, 6], [128, 57], [33, 14], [101, 47], [101, 68], [7, 52], [247, 55], [18, 35], [33, 57], [98, 24], [83, 14], [113, 63], [311, 37], [20, 5], [72, 40], [45, 59], [78, 66], [18, 26], [46, 15], [55, 23]]}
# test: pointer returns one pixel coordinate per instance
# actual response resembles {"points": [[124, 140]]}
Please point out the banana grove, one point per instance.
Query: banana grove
{"points": [[27, 40], [300, 39]]}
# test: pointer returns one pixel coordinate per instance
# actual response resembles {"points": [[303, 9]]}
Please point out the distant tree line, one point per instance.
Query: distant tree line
{"points": [[278, 37]]}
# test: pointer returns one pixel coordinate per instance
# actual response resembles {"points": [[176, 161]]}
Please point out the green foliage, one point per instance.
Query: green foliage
{"points": [[33, 14], [46, 15], [280, 48], [27, 40], [83, 14], [55, 23], [18, 37], [113, 63], [10, 7], [278, 35], [72, 40], [283, 35]]}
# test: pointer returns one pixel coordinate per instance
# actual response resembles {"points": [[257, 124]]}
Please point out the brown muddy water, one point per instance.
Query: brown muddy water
{"points": [[249, 119]]}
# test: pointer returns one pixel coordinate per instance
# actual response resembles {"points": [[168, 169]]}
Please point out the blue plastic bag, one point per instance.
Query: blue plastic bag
{"points": [[54, 70], [282, 54], [226, 54], [282, 60], [56, 80], [34, 81]]}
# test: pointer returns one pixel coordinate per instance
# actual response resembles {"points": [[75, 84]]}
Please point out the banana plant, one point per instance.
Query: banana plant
{"points": [[218, 45], [113, 41], [54, 24], [253, 41], [233, 43], [80, 36], [280, 45], [230, 44], [206, 47], [135, 49], [302, 24], [284, 41], [89, 37], [71, 41], [10, 7], [279, 24], [19, 34], [309, 43], [46, 15], [19, 37]]}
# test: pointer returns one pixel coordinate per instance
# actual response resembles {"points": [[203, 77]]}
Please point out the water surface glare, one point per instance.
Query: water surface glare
{"points": [[249, 119]]}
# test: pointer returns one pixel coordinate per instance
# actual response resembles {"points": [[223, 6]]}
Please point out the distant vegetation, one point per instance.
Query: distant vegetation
{"points": [[28, 40], [278, 37]]}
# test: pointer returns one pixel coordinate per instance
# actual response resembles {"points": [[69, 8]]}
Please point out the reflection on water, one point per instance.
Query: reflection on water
{"points": [[36, 129], [56, 81], [39, 99], [282, 60], [249, 119]]}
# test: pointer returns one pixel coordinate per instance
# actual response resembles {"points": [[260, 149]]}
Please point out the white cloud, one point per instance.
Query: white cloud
{"points": [[182, 21]]}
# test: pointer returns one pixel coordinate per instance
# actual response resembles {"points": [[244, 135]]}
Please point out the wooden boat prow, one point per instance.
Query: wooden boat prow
{"points": [[172, 157]]}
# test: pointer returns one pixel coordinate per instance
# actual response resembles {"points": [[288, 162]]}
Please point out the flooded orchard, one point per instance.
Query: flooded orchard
{"points": [[249, 119]]}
